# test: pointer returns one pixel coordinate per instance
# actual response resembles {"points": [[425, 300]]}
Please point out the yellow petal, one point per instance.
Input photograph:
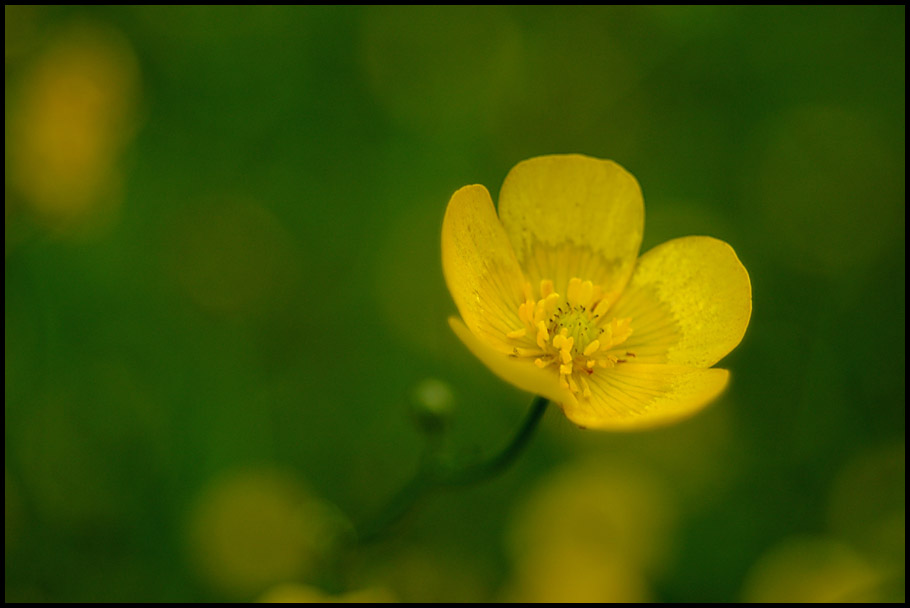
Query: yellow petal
{"points": [[520, 372], [573, 216], [633, 396], [689, 301], [480, 267]]}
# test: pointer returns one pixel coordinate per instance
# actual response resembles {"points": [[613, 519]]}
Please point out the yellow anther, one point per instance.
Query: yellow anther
{"points": [[546, 288], [539, 313], [591, 348], [566, 333], [551, 302], [608, 361], [573, 292], [526, 311], [621, 330], [525, 352], [585, 291], [586, 390], [601, 307]]}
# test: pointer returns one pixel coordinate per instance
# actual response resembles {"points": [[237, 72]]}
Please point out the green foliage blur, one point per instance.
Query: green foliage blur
{"points": [[224, 302]]}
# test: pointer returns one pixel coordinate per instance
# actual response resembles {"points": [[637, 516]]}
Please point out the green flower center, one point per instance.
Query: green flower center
{"points": [[580, 324], [569, 334]]}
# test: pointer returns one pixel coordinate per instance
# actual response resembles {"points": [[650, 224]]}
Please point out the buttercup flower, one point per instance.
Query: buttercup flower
{"points": [[555, 300]]}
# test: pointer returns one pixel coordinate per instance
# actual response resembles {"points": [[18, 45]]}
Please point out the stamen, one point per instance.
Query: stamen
{"points": [[540, 312], [601, 307], [526, 288], [585, 389], [526, 311], [585, 293], [525, 352], [550, 303], [591, 348], [569, 332], [546, 288], [621, 330], [606, 334], [543, 336], [573, 292]]}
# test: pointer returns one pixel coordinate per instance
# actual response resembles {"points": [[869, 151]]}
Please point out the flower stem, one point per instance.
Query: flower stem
{"points": [[432, 476]]}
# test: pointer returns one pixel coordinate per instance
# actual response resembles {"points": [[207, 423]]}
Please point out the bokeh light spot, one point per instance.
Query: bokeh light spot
{"points": [[593, 532], [73, 115], [291, 593], [868, 504], [233, 258], [253, 528], [803, 570]]}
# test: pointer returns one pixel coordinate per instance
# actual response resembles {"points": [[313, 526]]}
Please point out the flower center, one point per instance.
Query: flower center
{"points": [[579, 325], [570, 333]]}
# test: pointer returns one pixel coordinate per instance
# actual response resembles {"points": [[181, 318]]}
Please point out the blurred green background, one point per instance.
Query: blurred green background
{"points": [[224, 297]]}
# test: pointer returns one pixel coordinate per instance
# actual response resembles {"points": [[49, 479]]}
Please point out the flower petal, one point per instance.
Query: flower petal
{"points": [[637, 396], [520, 372], [480, 267], [573, 216], [689, 300]]}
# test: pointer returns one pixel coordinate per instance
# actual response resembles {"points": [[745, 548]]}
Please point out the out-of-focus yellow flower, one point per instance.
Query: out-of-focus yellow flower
{"points": [[815, 570], [555, 300], [251, 529], [596, 531], [71, 120], [292, 593]]}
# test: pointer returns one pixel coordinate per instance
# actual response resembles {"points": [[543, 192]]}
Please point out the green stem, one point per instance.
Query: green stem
{"points": [[432, 476], [485, 470]]}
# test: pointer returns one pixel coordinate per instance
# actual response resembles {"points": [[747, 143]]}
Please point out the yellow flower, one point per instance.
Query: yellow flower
{"points": [[555, 300]]}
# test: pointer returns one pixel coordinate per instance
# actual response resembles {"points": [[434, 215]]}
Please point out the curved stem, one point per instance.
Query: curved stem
{"points": [[495, 465], [432, 476]]}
